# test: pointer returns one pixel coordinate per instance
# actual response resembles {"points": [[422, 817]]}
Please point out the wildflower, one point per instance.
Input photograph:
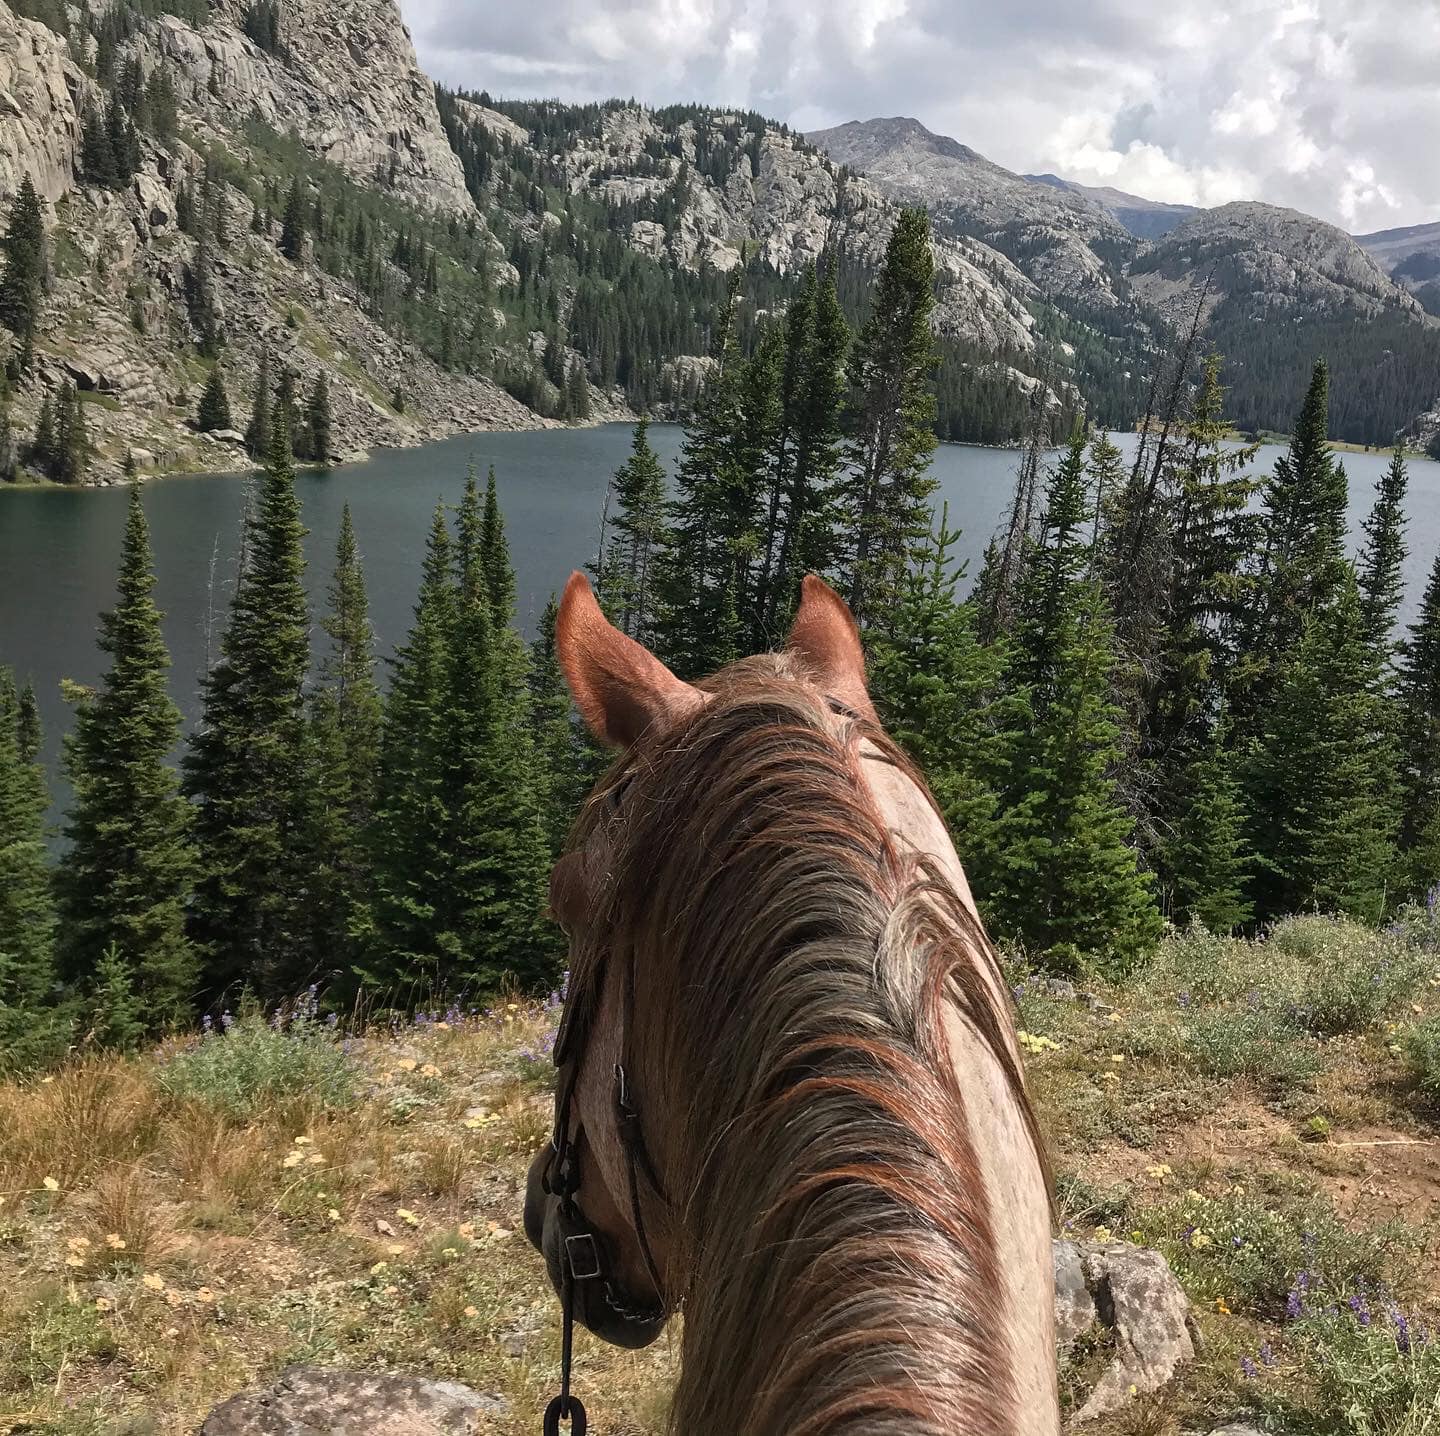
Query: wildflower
{"points": [[205, 1294], [171, 1332], [471, 1312], [50, 1184], [154, 1282], [1115, 1017], [1102, 1234], [1118, 1058], [315, 1160], [450, 1253], [407, 1064], [74, 1260], [429, 1070], [104, 1304], [512, 1007], [115, 1242], [1267, 1354], [466, 1229], [302, 1141], [333, 1214], [292, 1159], [378, 1268], [1160, 1171], [1199, 1239], [407, 1216], [1222, 1306], [1248, 1367], [395, 1249]]}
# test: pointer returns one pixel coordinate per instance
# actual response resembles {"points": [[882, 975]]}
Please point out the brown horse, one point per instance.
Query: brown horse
{"points": [[790, 1096]]}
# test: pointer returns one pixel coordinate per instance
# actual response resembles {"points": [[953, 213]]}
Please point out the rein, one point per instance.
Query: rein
{"points": [[583, 1258]]}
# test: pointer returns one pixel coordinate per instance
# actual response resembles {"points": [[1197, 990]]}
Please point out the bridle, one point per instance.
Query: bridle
{"points": [[583, 1256], [584, 1260]]}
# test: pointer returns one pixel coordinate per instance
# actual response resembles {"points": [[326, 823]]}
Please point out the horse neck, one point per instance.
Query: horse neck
{"points": [[865, 1252]]}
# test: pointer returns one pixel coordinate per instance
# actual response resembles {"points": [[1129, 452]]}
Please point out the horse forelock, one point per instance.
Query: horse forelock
{"points": [[792, 961]]}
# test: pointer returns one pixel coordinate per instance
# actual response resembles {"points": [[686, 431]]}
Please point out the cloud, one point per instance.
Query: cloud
{"points": [[1329, 106]]}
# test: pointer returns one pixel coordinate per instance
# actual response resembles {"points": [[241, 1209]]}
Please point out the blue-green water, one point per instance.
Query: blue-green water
{"points": [[59, 548]]}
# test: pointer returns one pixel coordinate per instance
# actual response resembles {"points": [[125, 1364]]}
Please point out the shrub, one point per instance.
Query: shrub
{"points": [[253, 1065], [1422, 1056], [1376, 1370]]}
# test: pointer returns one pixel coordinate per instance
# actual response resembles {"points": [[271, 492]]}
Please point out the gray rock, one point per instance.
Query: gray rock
{"points": [[1237, 1428], [1132, 1291], [318, 1401], [1058, 988]]}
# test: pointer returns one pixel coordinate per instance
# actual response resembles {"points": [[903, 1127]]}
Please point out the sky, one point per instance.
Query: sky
{"points": [[1327, 106]]}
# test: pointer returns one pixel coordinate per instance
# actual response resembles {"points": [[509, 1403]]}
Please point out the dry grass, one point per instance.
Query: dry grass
{"points": [[178, 1253]]}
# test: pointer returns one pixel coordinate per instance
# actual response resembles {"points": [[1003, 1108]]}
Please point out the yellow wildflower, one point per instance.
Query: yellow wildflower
{"points": [[378, 1268], [115, 1242], [1221, 1306], [429, 1070], [1160, 1171], [407, 1064], [50, 1184], [333, 1214], [470, 1311], [407, 1216], [1118, 1058], [1200, 1239], [1102, 1234], [104, 1304], [204, 1294], [302, 1141], [73, 1260], [450, 1252], [155, 1283], [395, 1249]]}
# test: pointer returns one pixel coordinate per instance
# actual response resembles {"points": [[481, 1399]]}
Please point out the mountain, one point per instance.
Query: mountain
{"points": [[1411, 257], [1283, 288], [1144, 218]]}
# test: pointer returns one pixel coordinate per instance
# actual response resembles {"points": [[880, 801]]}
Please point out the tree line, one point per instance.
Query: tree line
{"points": [[1157, 699]]}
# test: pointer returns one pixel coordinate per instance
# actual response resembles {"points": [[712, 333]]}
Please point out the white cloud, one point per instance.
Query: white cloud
{"points": [[1329, 106]]}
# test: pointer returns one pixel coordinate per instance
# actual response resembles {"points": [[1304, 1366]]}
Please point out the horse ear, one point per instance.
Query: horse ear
{"points": [[619, 686], [826, 639]]}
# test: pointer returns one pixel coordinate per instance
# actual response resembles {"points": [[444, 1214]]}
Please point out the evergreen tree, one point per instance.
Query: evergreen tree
{"points": [[44, 449], [317, 421], [246, 764], [344, 744], [577, 395], [72, 439], [1303, 560], [292, 227], [1322, 785], [892, 412], [125, 875], [98, 164], [1209, 857], [1382, 560], [257, 431], [284, 412], [410, 833], [23, 278], [1063, 877], [27, 724], [115, 1016], [936, 687], [214, 410], [1418, 698], [30, 1030], [567, 763], [626, 577]]}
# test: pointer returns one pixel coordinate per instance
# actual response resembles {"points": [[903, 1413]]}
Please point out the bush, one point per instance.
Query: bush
{"points": [[1422, 1056], [1377, 1372], [253, 1064]]}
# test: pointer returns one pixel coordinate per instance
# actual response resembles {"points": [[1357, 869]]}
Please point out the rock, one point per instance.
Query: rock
{"points": [[1074, 1306], [144, 458], [42, 92], [227, 436], [1237, 1428], [1133, 1291], [156, 202], [318, 1401], [1059, 989]]}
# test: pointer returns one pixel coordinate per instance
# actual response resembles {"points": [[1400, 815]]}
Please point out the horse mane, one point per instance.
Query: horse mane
{"points": [[791, 962]]}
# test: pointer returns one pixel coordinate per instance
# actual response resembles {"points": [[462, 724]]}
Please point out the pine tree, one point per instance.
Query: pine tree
{"points": [[409, 836], [257, 431], [936, 687], [125, 876], [577, 395], [1418, 700], [115, 1016], [892, 412], [343, 744], [292, 228], [1303, 560], [27, 724], [31, 1032], [1322, 786], [22, 280], [72, 439], [214, 410], [626, 574], [98, 163], [284, 412], [1382, 560], [1063, 877], [567, 763], [317, 421], [44, 449], [245, 767], [1209, 857]]}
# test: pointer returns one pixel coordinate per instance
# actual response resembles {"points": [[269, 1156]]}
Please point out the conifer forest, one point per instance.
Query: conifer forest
{"points": [[1166, 696]]}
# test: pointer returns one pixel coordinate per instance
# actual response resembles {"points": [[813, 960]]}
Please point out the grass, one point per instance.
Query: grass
{"points": [[178, 1226]]}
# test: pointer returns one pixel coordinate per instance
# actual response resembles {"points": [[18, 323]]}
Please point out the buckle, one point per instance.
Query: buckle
{"points": [[582, 1254]]}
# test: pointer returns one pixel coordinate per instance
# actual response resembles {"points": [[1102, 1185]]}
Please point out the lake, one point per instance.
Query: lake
{"points": [[59, 547]]}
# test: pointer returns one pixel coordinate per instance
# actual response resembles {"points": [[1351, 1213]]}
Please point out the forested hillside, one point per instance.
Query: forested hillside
{"points": [[1194, 709]]}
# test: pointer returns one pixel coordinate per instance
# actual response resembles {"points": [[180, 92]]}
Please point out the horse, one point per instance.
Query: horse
{"points": [[789, 1095]]}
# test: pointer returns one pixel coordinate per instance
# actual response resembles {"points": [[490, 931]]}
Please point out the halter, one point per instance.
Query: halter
{"points": [[583, 1257]]}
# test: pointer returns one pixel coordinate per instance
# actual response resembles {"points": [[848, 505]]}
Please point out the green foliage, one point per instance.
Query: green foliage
{"points": [[125, 876], [313, 441], [636, 534], [22, 280], [253, 1066], [890, 422], [1422, 1056], [1418, 698], [257, 431], [117, 1016], [292, 226], [567, 761], [1209, 857], [1382, 560], [214, 410], [245, 768]]}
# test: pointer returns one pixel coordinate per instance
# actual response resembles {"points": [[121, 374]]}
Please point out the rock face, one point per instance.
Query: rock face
{"points": [[1132, 1291], [1069, 242], [349, 84], [42, 92], [317, 1401], [786, 203], [1144, 218]]}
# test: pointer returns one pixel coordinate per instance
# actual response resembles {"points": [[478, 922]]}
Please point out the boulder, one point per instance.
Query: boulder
{"points": [[1132, 1291], [318, 1401], [156, 202]]}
